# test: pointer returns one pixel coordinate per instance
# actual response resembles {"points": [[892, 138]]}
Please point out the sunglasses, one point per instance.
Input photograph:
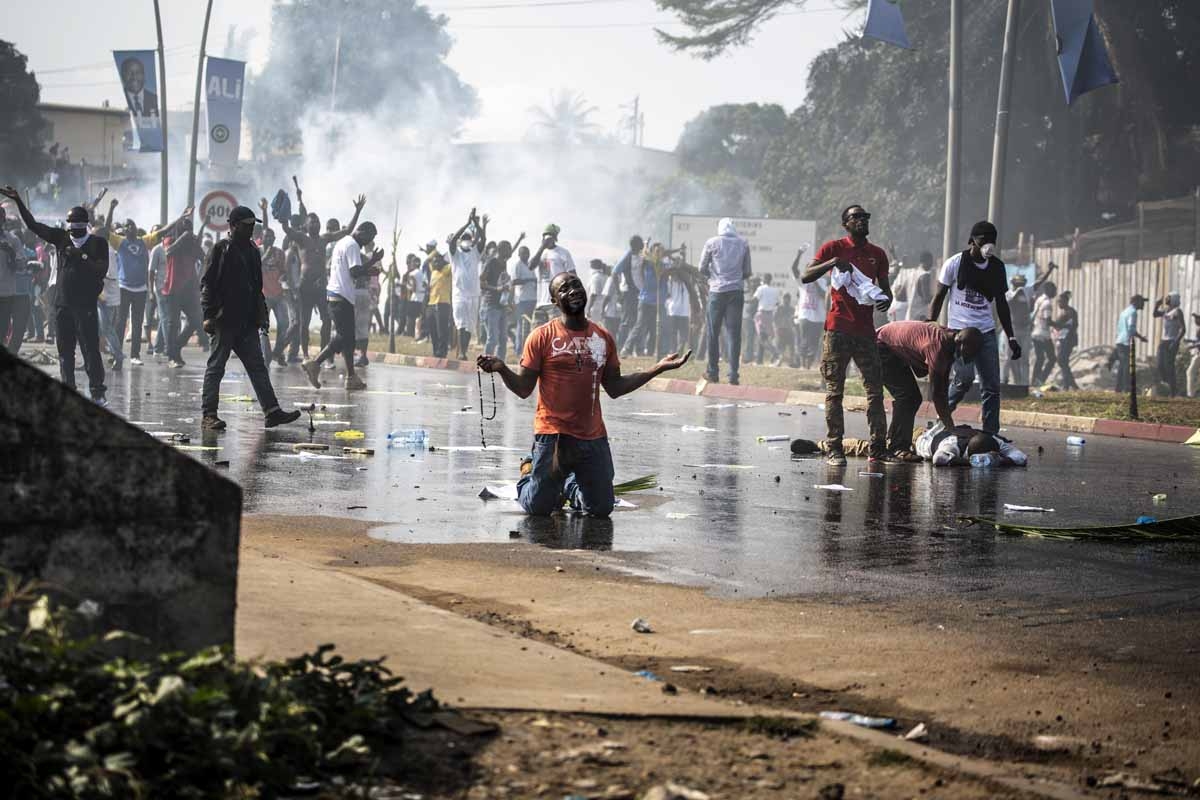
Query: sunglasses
{"points": [[859, 215]]}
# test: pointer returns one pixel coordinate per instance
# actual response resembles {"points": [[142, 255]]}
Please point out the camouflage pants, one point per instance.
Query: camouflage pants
{"points": [[837, 350]]}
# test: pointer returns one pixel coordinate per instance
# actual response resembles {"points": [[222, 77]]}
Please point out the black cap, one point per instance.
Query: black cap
{"points": [[78, 214], [983, 228], [241, 214]]}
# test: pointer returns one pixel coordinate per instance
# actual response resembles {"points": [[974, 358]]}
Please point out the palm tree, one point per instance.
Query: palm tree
{"points": [[564, 120]]}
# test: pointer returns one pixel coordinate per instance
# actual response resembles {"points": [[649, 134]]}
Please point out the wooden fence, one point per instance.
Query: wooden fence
{"points": [[1100, 290]]}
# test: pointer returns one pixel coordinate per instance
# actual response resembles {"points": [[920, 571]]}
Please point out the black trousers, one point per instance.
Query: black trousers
{"points": [[440, 323], [15, 309], [135, 302], [342, 312], [80, 326], [312, 298], [901, 384]]}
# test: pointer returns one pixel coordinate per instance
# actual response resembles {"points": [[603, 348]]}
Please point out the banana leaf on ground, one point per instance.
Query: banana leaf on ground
{"points": [[1159, 530]]}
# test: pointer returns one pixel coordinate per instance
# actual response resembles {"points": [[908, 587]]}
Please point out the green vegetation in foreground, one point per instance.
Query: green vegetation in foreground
{"points": [[77, 721]]}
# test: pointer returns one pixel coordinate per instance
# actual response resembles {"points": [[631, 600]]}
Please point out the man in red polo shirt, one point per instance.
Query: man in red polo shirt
{"points": [[910, 349], [860, 289]]}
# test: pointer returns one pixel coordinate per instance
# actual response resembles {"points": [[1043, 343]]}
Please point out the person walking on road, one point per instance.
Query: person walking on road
{"points": [[1174, 326], [234, 310], [568, 360], [725, 264], [860, 287], [82, 265], [974, 281]]}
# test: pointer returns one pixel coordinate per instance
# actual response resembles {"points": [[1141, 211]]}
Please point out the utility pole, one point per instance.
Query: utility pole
{"points": [[950, 232], [1003, 102], [337, 54], [196, 109], [162, 116], [635, 119]]}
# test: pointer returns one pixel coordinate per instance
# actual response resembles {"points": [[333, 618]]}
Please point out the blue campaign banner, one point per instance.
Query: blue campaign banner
{"points": [[1082, 56], [886, 23], [140, 85], [223, 84]]}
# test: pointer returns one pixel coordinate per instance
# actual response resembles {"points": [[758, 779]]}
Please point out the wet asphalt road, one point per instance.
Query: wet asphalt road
{"points": [[736, 531]]}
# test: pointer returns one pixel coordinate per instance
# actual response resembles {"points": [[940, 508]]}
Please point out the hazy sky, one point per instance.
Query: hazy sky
{"points": [[605, 50]]}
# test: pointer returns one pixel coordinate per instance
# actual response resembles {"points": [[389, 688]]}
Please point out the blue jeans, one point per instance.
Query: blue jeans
{"points": [[524, 326], [586, 465], [108, 329], [283, 329], [987, 363], [725, 310], [495, 327]]}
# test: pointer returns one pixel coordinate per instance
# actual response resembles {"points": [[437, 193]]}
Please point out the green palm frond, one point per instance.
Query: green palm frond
{"points": [[636, 485], [1166, 529]]}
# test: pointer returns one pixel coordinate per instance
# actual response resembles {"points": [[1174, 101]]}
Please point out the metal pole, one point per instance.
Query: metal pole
{"points": [[1133, 405], [950, 233], [162, 115], [196, 108], [1000, 144]]}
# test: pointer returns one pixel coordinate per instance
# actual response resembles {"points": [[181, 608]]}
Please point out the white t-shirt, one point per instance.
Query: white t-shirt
{"points": [[596, 283], [464, 270], [612, 297], [948, 449], [811, 307], [420, 286], [767, 297], [1043, 312], [678, 303], [519, 270], [111, 294], [967, 308], [346, 254]]}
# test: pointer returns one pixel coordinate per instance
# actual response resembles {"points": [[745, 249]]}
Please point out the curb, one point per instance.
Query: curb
{"points": [[1146, 431]]}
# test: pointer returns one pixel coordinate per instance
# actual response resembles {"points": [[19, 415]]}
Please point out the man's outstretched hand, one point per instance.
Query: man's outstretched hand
{"points": [[673, 361], [11, 193], [489, 363]]}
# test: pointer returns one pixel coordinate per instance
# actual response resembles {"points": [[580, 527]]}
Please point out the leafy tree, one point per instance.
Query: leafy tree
{"points": [[23, 130], [714, 194], [392, 60], [872, 126], [564, 120], [731, 138]]}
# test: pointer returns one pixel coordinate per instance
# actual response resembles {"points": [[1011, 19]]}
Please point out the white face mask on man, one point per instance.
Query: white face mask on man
{"points": [[988, 250]]}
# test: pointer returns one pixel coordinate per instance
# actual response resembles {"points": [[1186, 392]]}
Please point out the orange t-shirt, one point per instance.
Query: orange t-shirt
{"points": [[570, 366]]}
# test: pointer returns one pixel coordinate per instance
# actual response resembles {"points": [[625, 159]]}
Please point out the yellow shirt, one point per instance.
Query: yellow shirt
{"points": [[439, 285]]}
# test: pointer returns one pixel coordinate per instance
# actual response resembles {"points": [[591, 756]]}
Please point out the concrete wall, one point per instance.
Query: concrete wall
{"points": [[101, 510]]}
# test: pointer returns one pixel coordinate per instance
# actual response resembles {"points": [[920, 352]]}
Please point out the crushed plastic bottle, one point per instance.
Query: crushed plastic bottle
{"points": [[1076, 441], [408, 437], [984, 460]]}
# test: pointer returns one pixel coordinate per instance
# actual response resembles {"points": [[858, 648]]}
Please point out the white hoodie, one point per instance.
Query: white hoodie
{"points": [[726, 259]]}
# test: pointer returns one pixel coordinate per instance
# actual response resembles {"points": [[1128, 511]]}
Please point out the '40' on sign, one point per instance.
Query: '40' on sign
{"points": [[215, 208]]}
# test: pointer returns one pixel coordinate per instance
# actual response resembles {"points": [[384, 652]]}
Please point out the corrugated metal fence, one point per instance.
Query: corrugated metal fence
{"points": [[1100, 290]]}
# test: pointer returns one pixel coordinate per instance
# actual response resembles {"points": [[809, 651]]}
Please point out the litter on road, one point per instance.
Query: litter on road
{"points": [[917, 733], [697, 429], [641, 626], [1012, 507], [720, 466], [774, 437], [859, 719], [350, 434], [833, 487], [690, 668]]}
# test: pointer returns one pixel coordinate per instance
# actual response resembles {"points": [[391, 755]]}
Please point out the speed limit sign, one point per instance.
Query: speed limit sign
{"points": [[215, 207]]}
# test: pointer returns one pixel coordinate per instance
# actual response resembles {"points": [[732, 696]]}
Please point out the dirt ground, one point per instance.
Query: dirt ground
{"points": [[1071, 694], [575, 756]]}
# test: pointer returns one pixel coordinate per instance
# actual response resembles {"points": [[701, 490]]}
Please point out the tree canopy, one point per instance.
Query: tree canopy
{"points": [[872, 127], [23, 130], [392, 59], [731, 138]]}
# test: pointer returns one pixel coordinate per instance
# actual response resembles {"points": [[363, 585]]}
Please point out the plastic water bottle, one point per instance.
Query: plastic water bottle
{"points": [[408, 437], [1076, 441], [984, 460]]}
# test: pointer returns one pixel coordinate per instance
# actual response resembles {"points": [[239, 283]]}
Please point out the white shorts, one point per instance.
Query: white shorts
{"points": [[466, 313]]}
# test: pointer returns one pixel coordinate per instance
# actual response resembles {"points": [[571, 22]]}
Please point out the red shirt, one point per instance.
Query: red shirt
{"points": [[845, 313], [922, 345], [272, 273], [570, 366]]}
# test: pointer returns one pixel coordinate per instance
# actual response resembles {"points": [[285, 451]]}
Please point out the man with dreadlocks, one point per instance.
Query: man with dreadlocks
{"points": [[573, 357]]}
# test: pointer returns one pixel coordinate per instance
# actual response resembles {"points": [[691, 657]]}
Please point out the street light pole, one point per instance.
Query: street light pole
{"points": [[1003, 102], [196, 109], [950, 233], [162, 116]]}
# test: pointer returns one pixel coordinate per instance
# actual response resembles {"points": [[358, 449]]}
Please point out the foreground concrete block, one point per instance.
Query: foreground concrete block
{"points": [[103, 511]]}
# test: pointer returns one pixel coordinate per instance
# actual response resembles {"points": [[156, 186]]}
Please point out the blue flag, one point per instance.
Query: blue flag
{"points": [[223, 85], [885, 23], [1082, 57], [136, 68]]}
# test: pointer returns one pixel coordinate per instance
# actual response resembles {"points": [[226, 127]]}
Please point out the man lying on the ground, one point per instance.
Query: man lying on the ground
{"points": [[954, 447], [571, 357]]}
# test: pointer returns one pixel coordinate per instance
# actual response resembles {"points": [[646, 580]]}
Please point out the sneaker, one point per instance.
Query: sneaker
{"points": [[734, 382], [836, 458], [906, 457], [135, 361], [526, 465], [712, 378], [213, 423], [100, 400], [329, 365], [114, 365], [281, 417], [173, 364], [312, 369], [279, 360], [354, 383], [362, 362]]}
